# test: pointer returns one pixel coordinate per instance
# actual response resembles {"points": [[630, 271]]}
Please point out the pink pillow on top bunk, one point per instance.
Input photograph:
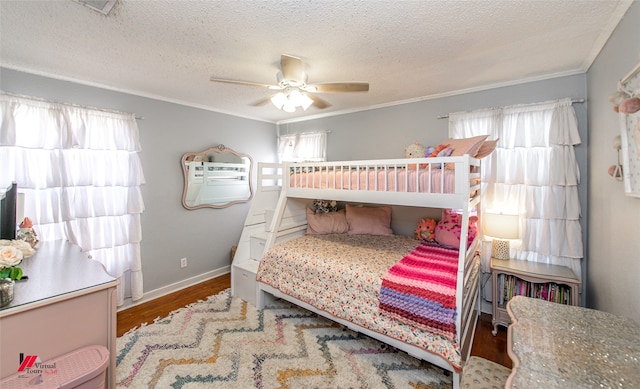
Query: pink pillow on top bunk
{"points": [[466, 145], [449, 229], [326, 223], [369, 220], [487, 148]]}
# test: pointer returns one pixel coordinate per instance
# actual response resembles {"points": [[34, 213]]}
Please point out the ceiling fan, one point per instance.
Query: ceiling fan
{"points": [[293, 88]]}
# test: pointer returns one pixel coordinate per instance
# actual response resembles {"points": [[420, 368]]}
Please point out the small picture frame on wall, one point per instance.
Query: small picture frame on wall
{"points": [[630, 134]]}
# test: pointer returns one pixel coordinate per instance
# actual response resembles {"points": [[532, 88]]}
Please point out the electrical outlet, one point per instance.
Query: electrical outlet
{"points": [[183, 262]]}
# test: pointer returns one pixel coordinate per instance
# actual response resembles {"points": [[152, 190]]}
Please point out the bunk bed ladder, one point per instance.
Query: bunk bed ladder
{"points": [[289, 219]]}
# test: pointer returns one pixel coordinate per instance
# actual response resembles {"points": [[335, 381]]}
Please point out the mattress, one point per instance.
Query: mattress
{"points": [[342, 274]]}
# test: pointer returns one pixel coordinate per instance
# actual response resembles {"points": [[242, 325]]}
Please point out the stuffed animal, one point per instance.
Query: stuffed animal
{"points": [[414, 150], [426, 230], [442, 150], [324, 206], [449, 229]]}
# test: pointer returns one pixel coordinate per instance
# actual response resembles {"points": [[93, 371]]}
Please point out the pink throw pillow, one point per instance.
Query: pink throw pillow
{"points": [[487, 148], [326, 223], [369, 220], [466, 145]]}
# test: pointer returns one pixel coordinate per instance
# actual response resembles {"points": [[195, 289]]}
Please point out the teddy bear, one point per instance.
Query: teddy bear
{"points": [[415, 150], [449, 229], [426, 230]]}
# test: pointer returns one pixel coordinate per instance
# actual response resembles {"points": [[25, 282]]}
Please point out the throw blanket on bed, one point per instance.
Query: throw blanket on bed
{"points": [[421, 289]]}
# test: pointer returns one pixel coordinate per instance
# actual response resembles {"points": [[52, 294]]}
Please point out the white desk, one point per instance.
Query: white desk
{"points": [[68, 302], [561, 346]]}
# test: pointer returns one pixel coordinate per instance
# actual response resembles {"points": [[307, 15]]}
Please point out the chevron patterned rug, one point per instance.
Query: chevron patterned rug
{"points": [[224, 342]]}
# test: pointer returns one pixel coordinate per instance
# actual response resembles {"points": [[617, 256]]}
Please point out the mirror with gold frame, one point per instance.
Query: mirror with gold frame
{"points": [[216, 178]]}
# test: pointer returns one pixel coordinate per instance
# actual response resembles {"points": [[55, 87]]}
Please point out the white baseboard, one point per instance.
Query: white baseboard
{"points": [[165, 290], [486, 307]]}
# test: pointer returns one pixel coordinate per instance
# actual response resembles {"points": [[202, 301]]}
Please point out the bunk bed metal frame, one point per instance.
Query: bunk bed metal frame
{"points": [[289, 221]]}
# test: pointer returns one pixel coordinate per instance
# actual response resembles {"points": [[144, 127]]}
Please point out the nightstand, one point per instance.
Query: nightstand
{"points": [[515, 277]]}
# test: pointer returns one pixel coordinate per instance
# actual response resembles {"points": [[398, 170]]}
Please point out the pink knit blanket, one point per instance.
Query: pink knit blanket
{"points": [[421, 289]]}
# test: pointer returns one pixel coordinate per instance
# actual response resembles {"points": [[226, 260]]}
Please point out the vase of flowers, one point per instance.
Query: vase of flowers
{"points": [[12, 252], [6, 291]]}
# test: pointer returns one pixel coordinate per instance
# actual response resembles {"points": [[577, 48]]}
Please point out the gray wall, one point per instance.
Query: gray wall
{"points": [[614, 247], [169, 232]]}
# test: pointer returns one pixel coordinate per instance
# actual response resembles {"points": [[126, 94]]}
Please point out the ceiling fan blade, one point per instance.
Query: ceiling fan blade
{"points": [[248, 83], [262, 102], [318, 102], [292, 68], [330, 87]]}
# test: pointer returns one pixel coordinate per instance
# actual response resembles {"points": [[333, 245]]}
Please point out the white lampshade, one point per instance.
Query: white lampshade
{"points": [[501, 227]]}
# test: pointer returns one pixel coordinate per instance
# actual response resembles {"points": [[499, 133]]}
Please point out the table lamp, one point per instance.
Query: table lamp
{"points": [[501, 227]]}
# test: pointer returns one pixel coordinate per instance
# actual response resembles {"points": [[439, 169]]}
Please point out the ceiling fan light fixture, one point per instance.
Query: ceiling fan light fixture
{"points": [[305, 101], [289, 107], [291, 99], [279, 100]]}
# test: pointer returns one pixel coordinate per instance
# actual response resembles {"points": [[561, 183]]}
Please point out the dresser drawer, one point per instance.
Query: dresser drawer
{"points": [[244, 281], [502, 316], [256, 248]]}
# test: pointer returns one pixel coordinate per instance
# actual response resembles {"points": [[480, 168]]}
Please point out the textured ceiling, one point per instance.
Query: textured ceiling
{"points": [[406, 50]]}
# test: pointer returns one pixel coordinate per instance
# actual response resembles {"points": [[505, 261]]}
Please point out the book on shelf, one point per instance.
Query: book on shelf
{"points": [[509, 286]]}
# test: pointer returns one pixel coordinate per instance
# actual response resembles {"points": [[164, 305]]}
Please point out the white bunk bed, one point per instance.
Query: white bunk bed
{"points": [[404, 182]]}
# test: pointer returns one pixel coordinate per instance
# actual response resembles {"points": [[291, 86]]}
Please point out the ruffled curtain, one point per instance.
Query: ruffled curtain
{"points": [[310, 146], [533, 172], [80, 173]]}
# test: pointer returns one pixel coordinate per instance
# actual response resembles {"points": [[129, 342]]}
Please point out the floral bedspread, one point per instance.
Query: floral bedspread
{"points": [[342, 274]]}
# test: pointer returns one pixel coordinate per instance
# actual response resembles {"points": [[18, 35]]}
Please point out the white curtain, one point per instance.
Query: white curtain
{"points": [[80, 173], [310, 146], [533, 172]]}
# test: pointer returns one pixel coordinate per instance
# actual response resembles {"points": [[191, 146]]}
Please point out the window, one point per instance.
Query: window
{"points": [[533, 172], [80, 174], [310, 146]]}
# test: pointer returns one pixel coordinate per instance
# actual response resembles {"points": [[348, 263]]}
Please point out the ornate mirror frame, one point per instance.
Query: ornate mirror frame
{"points": [[218, 177]]}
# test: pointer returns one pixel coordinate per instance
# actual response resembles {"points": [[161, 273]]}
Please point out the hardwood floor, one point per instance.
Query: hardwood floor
{"points": [[161, 307], [485, 345]]}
